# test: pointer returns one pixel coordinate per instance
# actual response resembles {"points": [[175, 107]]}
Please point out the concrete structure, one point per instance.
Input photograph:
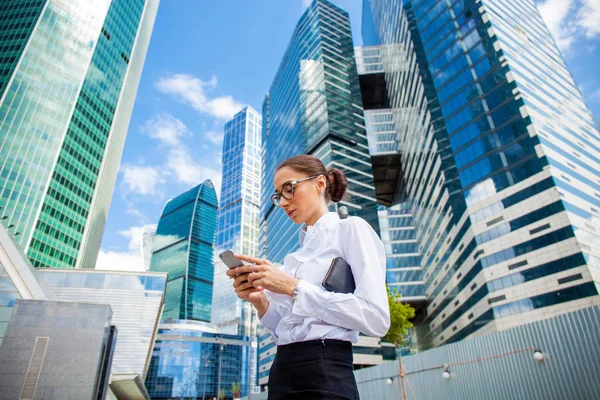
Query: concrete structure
{"points": [[56, 350], [17, 279]]}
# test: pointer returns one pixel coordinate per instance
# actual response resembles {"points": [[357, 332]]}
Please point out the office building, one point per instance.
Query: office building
{"points": [[396, 220], [192, 359], [69, 72], [238, 223], [499, 159], [148, 235], [135, 298], [314, 107], [238, 218], [183, 248]]}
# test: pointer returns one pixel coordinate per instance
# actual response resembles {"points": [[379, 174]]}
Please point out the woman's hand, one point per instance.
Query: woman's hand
{"points": [[264, 275], [246, 291]]}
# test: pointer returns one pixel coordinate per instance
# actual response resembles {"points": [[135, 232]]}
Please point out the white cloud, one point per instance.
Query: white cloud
{"points": [[568, 19], [166, 128], [179, 163], [141, 179], [117, 261], [134, 234], [124, 261], [215, 137], [554, 14], [306, 3], [131, 209], [189, 172], [595, 95], [193, 91], [588, 18]]}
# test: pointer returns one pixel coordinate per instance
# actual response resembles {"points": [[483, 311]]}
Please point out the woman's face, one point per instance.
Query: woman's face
{"points": [[306, 200]]}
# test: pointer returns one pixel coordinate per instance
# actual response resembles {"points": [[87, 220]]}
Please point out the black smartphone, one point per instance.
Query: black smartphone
{"points": [[230, 260]]}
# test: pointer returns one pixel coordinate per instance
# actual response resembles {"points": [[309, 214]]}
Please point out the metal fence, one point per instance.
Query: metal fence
{"points": [[500, 365]]}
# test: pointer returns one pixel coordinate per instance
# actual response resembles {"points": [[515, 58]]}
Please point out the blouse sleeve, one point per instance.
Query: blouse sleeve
{"points": [[270, 321], [365, 310]]}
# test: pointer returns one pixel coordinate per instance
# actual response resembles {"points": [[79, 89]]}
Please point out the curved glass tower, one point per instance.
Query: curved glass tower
{"points": [[69, 71], [183, 247]]}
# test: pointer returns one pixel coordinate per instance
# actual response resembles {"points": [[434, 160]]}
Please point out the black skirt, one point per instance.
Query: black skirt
{"points": [[313, 370]]}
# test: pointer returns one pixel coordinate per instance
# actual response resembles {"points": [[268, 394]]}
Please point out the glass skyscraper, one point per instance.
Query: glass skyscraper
{"points": [[398, 233], [69, 71], [501, 169], [183, 247], [238, 224], [148, 235], [314, 107], [238, 218]]}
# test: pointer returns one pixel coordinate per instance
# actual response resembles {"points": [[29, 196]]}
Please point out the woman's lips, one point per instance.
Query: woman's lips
{"points": [[291, 214]]}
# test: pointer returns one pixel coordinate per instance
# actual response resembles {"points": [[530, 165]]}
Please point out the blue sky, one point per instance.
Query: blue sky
{"points": [[209, 58]]}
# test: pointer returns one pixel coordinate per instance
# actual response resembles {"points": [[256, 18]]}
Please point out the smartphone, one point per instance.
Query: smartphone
{"points": [[230, 260]]}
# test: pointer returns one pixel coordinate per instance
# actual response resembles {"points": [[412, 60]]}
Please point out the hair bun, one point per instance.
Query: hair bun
{"points": [[337, 184]]}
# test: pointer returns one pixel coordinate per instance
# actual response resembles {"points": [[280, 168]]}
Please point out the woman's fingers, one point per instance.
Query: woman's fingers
{"points": [[240, 279], [251, 259], [256, 275], [230, 273], [258, 283], [250, 268], [243, 286], [245, 269], [243, 294]]}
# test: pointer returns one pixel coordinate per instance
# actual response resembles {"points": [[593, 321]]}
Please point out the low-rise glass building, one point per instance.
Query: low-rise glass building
{"points": [[136, 299], [192, 360]]}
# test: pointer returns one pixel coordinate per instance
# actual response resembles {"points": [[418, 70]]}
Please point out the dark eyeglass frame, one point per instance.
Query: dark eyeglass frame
{"points": [[276, 197]]}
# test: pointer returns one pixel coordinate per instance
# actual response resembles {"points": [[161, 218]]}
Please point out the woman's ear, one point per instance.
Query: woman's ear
{"points": [[322, 183]]}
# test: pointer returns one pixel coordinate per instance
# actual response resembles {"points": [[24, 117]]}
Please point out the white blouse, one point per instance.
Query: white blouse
{"points": [[318, 313]]}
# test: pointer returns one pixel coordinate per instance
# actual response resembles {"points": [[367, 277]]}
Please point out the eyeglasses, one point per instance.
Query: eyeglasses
{"points": [[287, 191]]}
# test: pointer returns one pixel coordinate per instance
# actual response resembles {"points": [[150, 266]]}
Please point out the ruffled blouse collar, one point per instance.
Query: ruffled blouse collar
{"points": [[309, 235]]}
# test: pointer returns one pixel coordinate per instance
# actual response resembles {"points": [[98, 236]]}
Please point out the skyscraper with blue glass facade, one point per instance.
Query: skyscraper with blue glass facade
{"points": [[237, 226], [238, 218], [183, 247], [314, 107], [69, 71], [384, 126], [501, 171]]}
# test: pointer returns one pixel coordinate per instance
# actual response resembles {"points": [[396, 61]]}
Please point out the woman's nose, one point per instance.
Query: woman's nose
{"points": [[283, 202]]}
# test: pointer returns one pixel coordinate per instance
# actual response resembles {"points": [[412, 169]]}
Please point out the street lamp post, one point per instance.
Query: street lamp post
{"points": [[206, 361], [219, 378], [251, 360]]}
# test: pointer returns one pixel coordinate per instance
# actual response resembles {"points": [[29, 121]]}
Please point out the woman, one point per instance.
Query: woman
{"points": [[313, 328]]}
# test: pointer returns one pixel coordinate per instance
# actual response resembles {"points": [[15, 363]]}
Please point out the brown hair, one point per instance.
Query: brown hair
{"points": [[312, 166]]}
